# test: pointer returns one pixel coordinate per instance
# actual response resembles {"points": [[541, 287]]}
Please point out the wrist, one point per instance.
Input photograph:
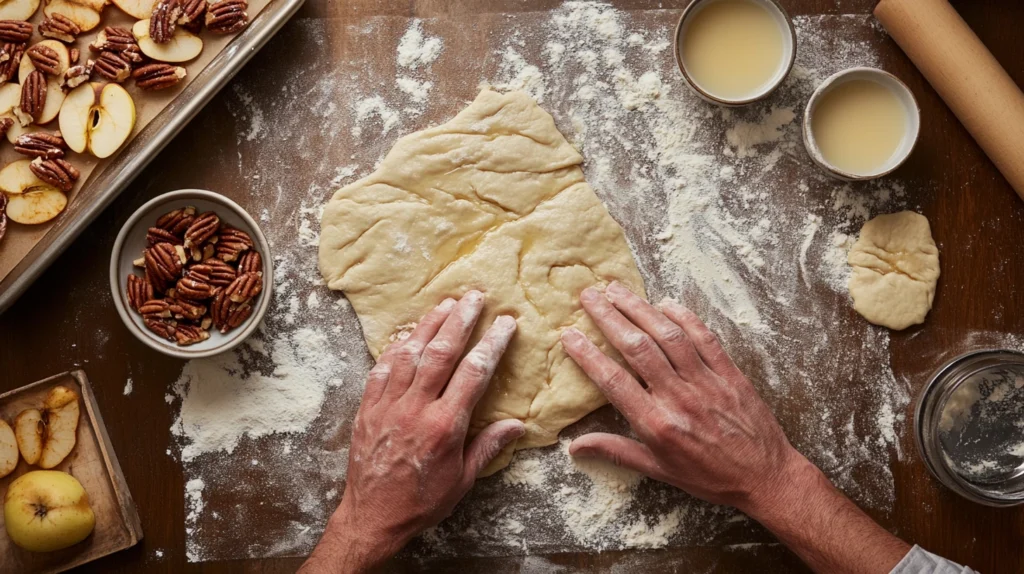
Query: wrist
{"points": [[786, 496], [354, 544]]}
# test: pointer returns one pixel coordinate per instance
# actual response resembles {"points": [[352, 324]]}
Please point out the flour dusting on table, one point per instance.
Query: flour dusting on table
{"points": [[722, 208]]}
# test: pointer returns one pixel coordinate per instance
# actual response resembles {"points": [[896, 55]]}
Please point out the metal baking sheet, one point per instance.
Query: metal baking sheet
{"points": [[116, 176]]}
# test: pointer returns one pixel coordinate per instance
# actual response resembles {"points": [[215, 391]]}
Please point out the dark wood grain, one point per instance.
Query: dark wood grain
{"points": [[67, 321]]}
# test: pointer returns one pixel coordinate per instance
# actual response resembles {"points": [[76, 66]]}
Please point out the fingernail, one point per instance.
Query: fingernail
{"points": [[589, 295], [616, 291], [473, 296], [571, 337], [506, 322], [446, 305]]}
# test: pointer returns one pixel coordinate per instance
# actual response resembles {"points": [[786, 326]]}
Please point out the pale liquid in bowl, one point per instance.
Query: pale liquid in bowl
{"points": [[858, 126], [733, 49]]}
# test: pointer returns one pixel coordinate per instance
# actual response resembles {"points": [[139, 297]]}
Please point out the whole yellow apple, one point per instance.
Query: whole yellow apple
{"points": [[46, 510]]}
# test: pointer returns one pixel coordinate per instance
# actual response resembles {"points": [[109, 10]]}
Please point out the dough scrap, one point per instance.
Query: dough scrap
{"points": [[493, 200], [895, 269]]}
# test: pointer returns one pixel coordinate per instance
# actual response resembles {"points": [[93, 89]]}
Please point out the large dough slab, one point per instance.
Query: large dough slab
{"points": [[493, 200]]}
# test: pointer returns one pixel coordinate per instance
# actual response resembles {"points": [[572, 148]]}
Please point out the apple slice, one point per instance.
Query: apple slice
{"points": [[97, 117], [17, 178], [138, 9], [18, 9], [10, 98], [29, 429], [54, 92], [61, 415], [8, 449], [27, 67], [38, 205], [182, 47], [85, 13]]}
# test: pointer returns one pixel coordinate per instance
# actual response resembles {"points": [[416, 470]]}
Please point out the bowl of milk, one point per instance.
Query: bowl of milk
{"points": [[861, 123], [734, 52]]}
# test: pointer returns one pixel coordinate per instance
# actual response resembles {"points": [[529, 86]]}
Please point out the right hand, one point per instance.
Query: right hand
{"points": [[702, 426]]}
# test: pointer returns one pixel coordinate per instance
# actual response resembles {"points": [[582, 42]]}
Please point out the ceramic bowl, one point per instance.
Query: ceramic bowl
{"points": [[906, 97], [131, 242]]}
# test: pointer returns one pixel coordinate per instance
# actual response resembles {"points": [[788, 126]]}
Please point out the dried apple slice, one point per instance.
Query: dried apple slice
{"points": [[85, 13], [29, 430], [17, 177], [182, 47], [18, 9], [8, 449], [61, 417], [54, 92], [138, 9], [37, 205]]}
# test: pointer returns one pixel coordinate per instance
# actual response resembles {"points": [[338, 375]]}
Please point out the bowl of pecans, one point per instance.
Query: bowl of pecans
{"points": [[191, 274]]}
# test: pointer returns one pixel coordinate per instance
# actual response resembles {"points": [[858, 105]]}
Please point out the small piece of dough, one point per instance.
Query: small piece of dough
{"points": [[895, 268]]}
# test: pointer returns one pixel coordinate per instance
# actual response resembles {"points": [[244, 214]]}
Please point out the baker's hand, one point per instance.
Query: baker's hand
{"points": [[408, 463], [701, 424]]}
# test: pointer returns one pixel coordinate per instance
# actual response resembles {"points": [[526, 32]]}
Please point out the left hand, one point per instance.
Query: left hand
{"points": [[408, 463]]}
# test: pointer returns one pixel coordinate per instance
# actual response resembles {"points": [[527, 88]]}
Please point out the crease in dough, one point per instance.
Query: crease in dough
{"points": [[494, 200]]}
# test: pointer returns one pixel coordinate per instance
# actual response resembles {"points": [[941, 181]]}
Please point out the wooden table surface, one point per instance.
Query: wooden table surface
{"points": [[67, 319]]}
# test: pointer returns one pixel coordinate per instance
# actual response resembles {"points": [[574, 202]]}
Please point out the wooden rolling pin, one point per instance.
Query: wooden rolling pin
{"points": [[965, 74]]}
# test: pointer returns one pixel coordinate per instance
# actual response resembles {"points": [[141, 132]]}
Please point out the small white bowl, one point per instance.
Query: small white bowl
{"points": [[132, 240], [906, 97], [788, 52]]}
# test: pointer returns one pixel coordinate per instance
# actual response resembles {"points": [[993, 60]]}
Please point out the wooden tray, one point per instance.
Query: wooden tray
{"points": [[94, 464]]}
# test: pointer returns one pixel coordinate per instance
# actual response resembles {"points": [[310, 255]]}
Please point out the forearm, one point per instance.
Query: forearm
{"points": [[827, 530], [345, 548]]}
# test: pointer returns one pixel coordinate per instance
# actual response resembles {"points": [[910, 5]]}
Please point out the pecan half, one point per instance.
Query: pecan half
{"points": [[250, 262], [73, 55], [155, 308], [218, 273], [44, 58], [164, 20], [10, 59], [158, 76], [57, 172], [203, 228], [226, 16], [159, 235], [112, 66], [33, 96], [185, 309], [195, 286], [164, 328], [77, 75], [192, 15], [6, 123], [232, 243], [227, 315], [162, 265], [190, 334], [40, 144], [138, 291], [177, 221], [245, 287], [15, 31], [3, 215], [113, 39], [60, 27]]}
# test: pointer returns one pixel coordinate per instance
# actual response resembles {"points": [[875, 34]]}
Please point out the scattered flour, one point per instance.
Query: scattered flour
{"points": [[128, 387], [415, 49]]}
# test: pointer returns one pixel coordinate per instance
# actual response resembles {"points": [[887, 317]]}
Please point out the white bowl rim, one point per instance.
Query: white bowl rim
{"points": [[235, 338], [812, 145]]}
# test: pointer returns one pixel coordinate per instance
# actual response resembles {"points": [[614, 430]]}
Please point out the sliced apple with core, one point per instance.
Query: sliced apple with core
{"points": [[97, 117], [46, 436], [8, 449], [18, 9], [85, 13], [17, 177], [39, 205], [182, 47], [138, 9], [28, 429]]}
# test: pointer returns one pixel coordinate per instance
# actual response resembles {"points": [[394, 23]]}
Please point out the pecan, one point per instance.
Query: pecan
{"points": [[138, 291], [10, 59], [164, 328], [232, 243], [73, 55], [77, 75], [56, 172], [33, 96], [60, 27], [44, 58], [245, 287], [158, 76], [159, 235], [155, 308], [227, 315], [164, 20], [203, 228], [162, 265], [217, 272], [113, 39], [112, 66], [177, 221], [185, 309], [40, 144], [6, 123], [190, 335], [226, 16], [250, 262], [3, 215], [194, 286], [192, 14], [15, 31]]}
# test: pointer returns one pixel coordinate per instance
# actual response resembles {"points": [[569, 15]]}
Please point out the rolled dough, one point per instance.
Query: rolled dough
{"points": [[493, 200], [895, 269]]}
